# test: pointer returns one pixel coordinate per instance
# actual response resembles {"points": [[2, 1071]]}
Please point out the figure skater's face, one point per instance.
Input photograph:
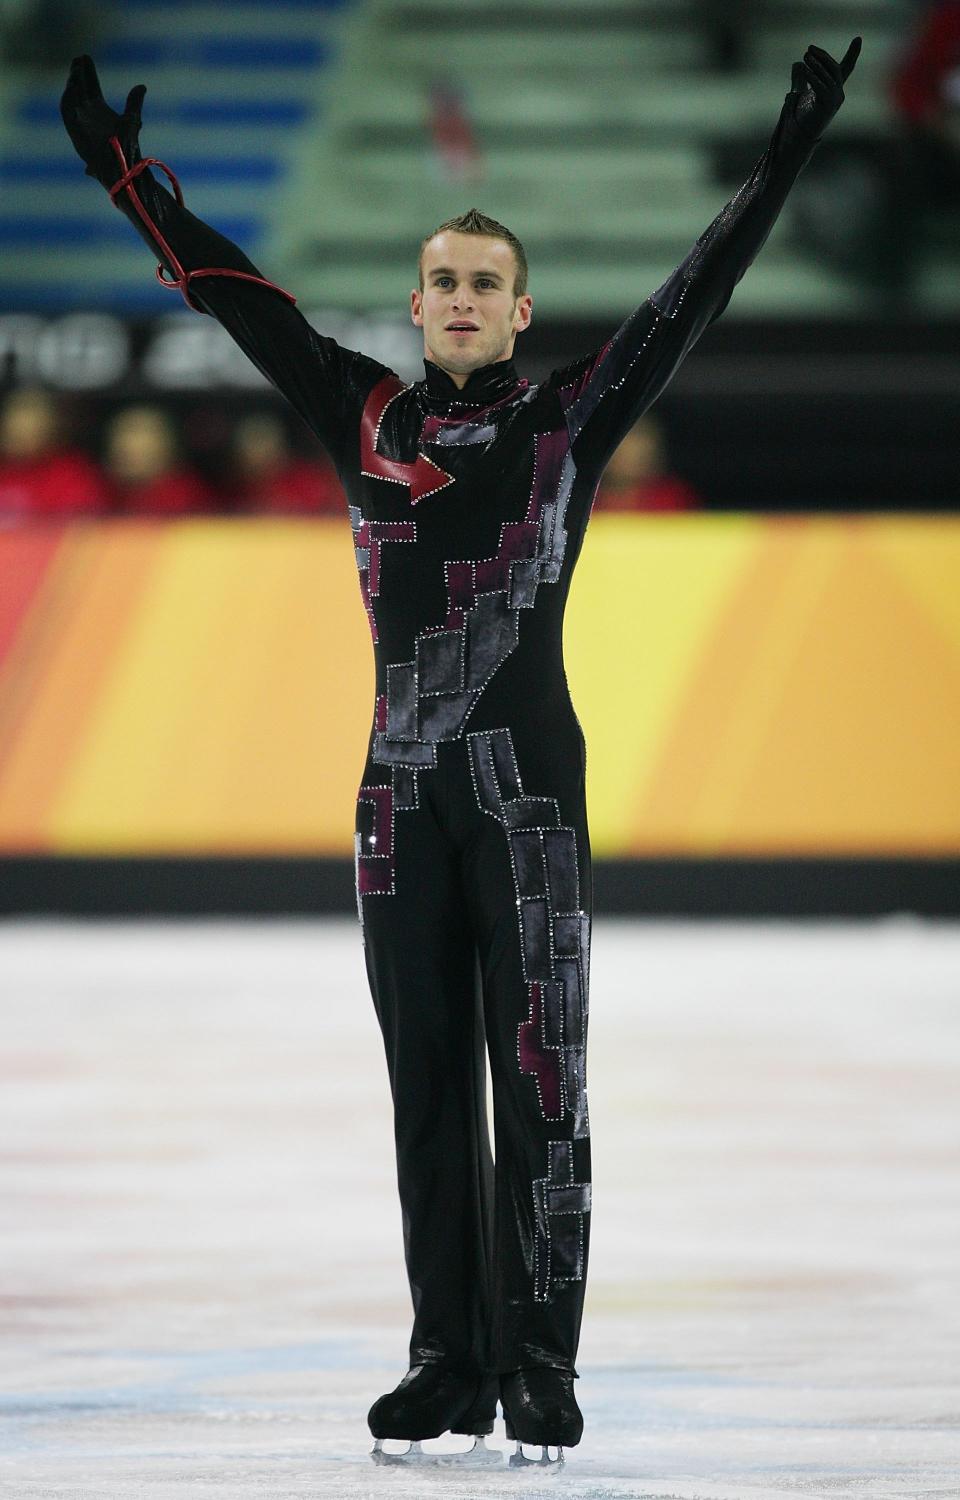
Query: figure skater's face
{"points": [[467, 309]]}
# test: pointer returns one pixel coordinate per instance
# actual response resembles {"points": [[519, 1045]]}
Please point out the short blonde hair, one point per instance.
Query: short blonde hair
{"points": [[474, 222]]}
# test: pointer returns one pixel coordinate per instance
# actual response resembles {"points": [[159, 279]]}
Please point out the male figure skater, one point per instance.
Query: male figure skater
{"points": [[469, 494]]}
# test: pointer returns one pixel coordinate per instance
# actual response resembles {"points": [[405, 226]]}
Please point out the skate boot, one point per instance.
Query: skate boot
{"points": [[432, 1399], [540, 1408]]}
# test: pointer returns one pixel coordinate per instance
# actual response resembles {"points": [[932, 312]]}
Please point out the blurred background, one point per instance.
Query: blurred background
{"points": [[172, 536]]}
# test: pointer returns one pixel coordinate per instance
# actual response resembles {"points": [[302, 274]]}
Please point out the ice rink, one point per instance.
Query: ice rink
{"points": [[201, 1273]]}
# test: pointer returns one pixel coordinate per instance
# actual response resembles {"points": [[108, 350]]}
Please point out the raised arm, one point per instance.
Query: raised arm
{"points": [[324, 382], [606, 393]]}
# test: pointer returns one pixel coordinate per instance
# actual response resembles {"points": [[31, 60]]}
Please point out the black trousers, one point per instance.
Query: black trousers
{"points": [[475, 906]]}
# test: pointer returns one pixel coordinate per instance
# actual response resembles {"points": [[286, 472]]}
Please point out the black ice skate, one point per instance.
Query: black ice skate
{"points": [[540, 1408], [432, 1399]]}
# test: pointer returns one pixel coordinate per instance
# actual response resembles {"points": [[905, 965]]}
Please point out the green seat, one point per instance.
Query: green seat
{"points": [[600, 129]]}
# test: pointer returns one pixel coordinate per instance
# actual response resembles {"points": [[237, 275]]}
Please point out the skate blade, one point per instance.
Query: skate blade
{"points": [[477, 1457], [519, 1460]]}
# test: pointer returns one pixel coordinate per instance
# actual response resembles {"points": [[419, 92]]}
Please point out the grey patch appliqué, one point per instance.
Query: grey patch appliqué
{"points": [[554, 951]]}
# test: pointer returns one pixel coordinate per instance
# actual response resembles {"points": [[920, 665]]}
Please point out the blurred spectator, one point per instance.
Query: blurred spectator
{"points": [[925, 85], [40, 476], [637, 476], [145, 472], [266, 476], [924, 161], [455, 142]]}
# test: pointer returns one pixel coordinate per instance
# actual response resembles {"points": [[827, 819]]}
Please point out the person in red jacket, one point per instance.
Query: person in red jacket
{"points": [[41, 478], [266, 476], [145, 472], [925, 85], [924, 171], [637, 477]]}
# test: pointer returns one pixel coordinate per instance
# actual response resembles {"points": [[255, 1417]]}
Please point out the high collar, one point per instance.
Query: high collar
{"points": [[483, 386]]}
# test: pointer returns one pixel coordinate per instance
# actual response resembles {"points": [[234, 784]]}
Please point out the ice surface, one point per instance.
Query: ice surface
{"points": [[201, 1281]]}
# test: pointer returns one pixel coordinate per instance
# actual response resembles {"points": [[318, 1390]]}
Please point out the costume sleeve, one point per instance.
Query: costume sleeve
{"points": [[603, 395], [325, 383]]}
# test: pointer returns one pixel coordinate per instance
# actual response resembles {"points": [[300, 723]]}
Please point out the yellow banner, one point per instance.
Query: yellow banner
{"points": [[746, 686]]}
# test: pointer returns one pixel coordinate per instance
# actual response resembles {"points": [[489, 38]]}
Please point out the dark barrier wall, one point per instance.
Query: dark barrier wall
{"points": [[762, 415], [303, 887]]}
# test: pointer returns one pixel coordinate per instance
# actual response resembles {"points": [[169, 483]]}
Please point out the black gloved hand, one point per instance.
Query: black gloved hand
{"points": [[817, 87], [91, 122]]}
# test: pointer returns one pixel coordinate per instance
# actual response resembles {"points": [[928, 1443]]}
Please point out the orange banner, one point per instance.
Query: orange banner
{"points": [[746, 685]]}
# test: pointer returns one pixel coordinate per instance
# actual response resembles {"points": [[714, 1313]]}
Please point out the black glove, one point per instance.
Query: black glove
{"points": [[91, 122], [817, 87]]}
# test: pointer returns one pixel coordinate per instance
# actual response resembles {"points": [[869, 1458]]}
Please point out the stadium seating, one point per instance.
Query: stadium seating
{"points": [[230, 91], [302, 130], [609, 143]]}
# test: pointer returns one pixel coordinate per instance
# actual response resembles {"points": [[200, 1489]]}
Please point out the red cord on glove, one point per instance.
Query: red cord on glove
{"points": [[183, 278]]}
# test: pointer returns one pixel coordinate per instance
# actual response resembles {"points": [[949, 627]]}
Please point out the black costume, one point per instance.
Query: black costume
{"points": [[472, 857]]}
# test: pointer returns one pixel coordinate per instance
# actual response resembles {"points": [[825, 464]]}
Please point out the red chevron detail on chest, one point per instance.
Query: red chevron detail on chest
{"points": [[423, 476]]}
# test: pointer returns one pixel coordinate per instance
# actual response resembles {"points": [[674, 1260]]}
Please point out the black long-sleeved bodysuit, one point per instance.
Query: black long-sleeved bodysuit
{"points": [[468, 509]]}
